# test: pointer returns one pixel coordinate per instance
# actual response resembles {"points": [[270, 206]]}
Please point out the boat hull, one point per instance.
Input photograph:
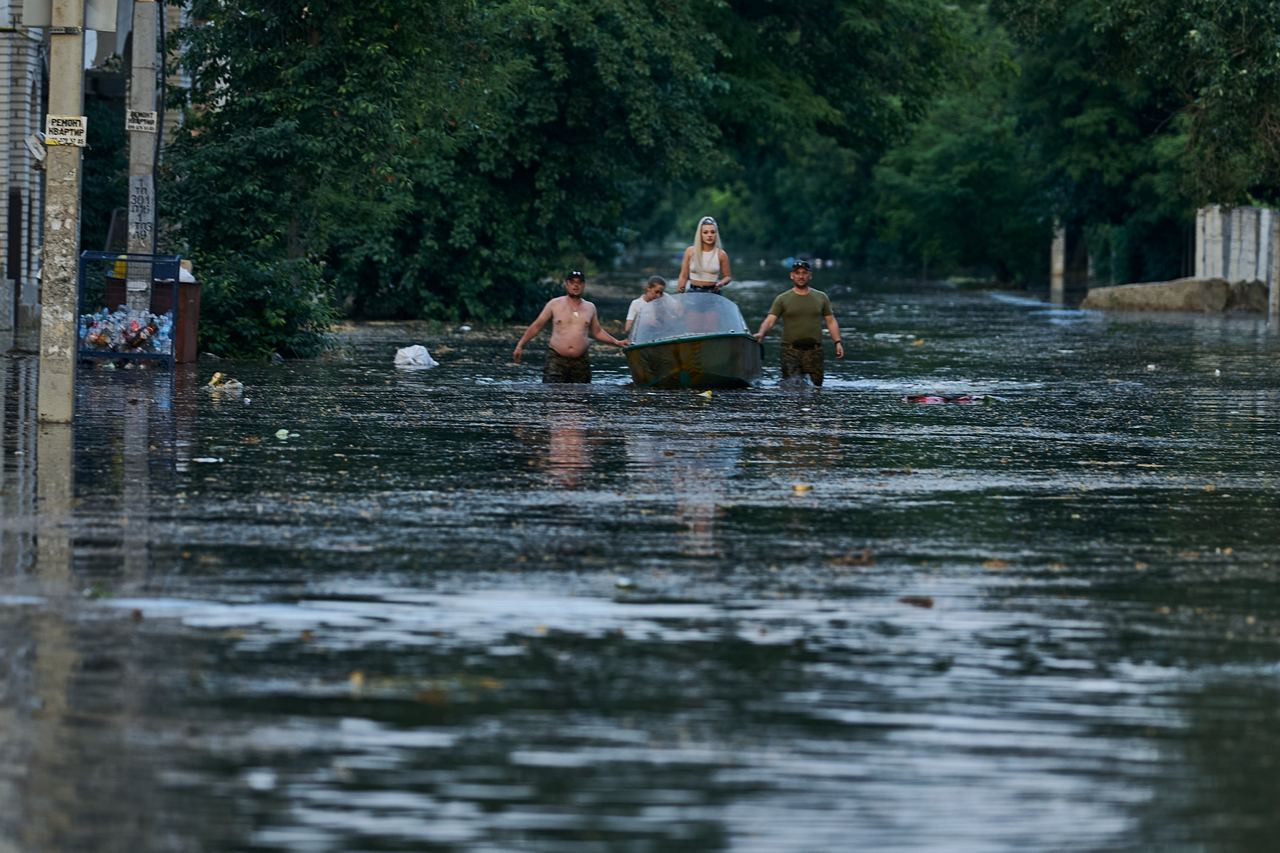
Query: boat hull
{"points": [[701, 361]]}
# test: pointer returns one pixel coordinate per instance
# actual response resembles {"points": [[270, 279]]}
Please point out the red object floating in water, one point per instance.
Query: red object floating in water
{"points": [[927, 399]]}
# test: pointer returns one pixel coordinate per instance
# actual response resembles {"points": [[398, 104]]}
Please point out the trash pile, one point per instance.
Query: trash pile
{"points": [[125, 330]]}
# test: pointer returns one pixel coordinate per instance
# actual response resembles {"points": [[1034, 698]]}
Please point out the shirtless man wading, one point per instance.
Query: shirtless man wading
{"points": [[572, 318]]}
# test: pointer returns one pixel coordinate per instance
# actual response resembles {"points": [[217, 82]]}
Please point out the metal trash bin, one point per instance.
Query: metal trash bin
{"points": [[163, 287]]}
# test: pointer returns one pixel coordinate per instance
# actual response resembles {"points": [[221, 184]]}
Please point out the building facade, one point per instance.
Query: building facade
{"points": [[22, 102]]}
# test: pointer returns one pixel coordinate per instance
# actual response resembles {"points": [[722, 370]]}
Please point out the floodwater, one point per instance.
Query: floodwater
{"points": [[457, 610]]}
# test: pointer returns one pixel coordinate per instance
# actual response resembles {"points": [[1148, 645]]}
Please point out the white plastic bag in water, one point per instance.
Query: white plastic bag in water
{"points": [[415, 357]]}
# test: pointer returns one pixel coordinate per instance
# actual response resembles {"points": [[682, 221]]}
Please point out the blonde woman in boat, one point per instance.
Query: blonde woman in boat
{"points": [[706, 264]]}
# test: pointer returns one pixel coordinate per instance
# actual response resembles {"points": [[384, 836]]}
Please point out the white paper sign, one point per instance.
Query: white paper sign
{"points": [[143, 120], [65, 130]]}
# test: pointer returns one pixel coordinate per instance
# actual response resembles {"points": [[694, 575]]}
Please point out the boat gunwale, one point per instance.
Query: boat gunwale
{"points": [[680, 339]]}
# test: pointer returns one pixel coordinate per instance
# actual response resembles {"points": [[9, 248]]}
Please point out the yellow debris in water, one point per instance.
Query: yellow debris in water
{"points": [[706, 394], [802, 488]]}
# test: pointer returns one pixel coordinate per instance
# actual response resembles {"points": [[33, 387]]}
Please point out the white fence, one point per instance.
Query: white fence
{"points": [[1236, 243]]}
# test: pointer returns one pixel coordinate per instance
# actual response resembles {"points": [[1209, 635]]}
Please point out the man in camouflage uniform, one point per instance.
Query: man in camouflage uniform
{"points": [[803, 311]]}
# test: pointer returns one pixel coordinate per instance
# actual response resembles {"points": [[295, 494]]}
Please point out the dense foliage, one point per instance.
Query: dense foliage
{"points": [[962, 191], [421, 159], [1216, 64], [105, 176], [449, 159], [443, 159], [810, 95]]}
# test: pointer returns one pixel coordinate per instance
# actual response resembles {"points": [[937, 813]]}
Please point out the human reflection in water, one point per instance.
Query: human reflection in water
{"points": [[697, 473], [568, 449]]}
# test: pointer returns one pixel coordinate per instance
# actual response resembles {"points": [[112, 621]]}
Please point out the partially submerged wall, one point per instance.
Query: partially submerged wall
{"points": [[1236, 243], [1213, 295], [1237, 269]]}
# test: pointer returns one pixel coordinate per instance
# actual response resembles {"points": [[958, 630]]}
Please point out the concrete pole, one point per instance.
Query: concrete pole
{"points": [[1058, 265], [1201, 229], [58, 303], [1273, 289], [142, 148], [1265, 246], [1213, 251], [1247, 246]]}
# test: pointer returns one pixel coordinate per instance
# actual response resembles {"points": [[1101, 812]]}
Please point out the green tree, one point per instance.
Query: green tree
{"points": [[1216, 64], [592, 119], [961, 193], [421, 159], [293, 132], [809, 94], [1104, 140], [106, 172]]}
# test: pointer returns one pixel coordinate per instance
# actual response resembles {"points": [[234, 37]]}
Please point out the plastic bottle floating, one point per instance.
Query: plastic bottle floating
{"points": [[219, 383], [956, 399]]}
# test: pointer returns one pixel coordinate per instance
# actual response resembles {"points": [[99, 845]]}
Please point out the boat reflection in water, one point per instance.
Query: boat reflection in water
{"points": [[692, 340]]}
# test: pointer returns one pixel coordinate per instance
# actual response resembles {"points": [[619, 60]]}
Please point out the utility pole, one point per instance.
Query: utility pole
{"points": [[1058, 264], [64, 136], [1273, 292], [142, 126]]}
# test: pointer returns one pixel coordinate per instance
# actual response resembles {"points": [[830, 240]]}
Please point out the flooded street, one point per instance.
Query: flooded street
{"points": [[454, 609]]}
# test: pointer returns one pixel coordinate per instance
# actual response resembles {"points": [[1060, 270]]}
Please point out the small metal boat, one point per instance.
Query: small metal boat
{"points": [[692, 340]]}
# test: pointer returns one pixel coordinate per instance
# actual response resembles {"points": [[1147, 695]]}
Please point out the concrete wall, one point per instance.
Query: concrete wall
{"points": [[1236, 243], [21, 187]]}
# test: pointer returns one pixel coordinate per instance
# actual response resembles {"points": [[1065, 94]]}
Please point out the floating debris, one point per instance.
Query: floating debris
{"points": [[956, 399], [220, 383], [415, 357]]}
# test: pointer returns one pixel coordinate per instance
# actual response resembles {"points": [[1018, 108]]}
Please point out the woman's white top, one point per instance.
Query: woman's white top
{"points": [[704, 267]]}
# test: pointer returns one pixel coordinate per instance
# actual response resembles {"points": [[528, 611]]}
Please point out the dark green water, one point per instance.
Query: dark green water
{"points": [[463, 611]]}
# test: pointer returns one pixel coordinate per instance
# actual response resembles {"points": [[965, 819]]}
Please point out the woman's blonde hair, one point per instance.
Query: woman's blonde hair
{"points": [[695, 263]]}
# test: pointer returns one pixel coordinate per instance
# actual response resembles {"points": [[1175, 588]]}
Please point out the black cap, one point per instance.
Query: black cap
{"points": [[800, 264], [575, 274]]}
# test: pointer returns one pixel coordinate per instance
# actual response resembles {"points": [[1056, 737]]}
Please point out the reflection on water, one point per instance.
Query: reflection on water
{"points": [[447, 613], [568, 450], [693, 469]]}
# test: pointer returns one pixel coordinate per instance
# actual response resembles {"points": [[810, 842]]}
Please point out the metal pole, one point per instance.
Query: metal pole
{"points": [[142, 151], [58, 304]]}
